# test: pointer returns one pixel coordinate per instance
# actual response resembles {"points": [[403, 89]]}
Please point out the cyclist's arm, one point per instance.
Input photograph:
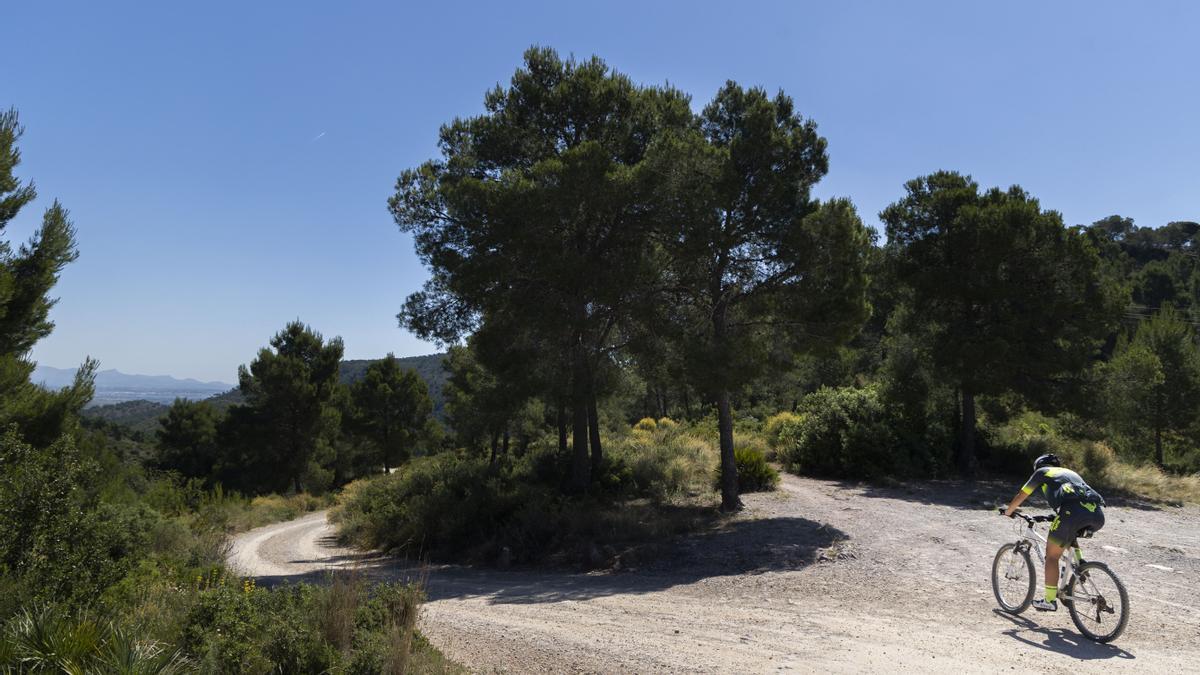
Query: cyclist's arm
{"points": [[1022, 495], [1030, 485]]}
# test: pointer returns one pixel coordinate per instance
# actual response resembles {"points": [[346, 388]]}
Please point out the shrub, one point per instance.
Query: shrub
{"points": [[775, 425], [753, 471], [646, 424], [44, 638], [843, 433], [457, 506], [667, 423]]}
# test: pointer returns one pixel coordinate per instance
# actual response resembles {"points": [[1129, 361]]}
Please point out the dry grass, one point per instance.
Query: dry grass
{"points": [[1151, 483], [338, 606], [672, 465], [259, 511]]}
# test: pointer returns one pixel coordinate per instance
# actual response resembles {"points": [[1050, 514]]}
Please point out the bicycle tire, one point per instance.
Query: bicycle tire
{"points": [[1087, 569], [998, 570]]}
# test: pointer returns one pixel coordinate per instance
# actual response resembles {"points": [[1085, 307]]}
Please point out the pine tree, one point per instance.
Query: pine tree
{"points": [[27, 275], [289, 389], [392, 408]]}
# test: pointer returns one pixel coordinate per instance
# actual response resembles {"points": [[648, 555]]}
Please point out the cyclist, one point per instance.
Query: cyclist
{"points": [[1077, 507]]}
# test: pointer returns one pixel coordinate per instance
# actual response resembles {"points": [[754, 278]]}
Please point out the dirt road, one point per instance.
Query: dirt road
{"points": [[817, 576]]}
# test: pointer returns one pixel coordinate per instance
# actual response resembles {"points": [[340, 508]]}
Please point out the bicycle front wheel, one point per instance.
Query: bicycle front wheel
{"points": [[1013, 578], [1099, 603]]}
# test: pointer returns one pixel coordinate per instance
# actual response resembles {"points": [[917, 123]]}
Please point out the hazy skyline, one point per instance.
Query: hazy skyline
{"points": [[227, 165]]}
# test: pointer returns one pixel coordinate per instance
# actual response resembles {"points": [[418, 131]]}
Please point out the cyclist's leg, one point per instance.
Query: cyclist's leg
{"points": [[1054, 552], [1055, 544]]}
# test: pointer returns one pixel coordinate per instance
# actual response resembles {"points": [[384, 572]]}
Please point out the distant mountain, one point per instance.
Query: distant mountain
{"points": [[113, 386], [143, 413]]}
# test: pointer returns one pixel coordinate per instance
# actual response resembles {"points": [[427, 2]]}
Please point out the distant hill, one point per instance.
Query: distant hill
{"points": [[142, 414], [113, 386], [429, 367], [133, 415]]}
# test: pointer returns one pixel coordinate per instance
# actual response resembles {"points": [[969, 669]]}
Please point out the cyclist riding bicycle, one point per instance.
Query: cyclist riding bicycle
{"points": [[1077, 506]]}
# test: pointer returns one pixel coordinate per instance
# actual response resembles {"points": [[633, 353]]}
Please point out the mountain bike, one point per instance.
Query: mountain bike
{"points": [[1094, 596]]}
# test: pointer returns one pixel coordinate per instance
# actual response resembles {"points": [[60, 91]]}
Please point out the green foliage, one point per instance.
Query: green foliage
{"points": [[44, 638], [768, 272], [57, 542], [429, 367], [753, 471], [976, 270], [391, 409], [187, 439], [340, 626], [1152, 387], [27, 276], [775, 425], [851, 432], [135, 417], [454, 506], [291, 419]]}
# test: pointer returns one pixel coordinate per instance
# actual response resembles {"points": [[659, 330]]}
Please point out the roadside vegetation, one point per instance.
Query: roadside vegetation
{"points": [[658, 480]]}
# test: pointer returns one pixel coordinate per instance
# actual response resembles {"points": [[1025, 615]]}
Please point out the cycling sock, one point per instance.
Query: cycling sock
{"points": [[1051, 593]]}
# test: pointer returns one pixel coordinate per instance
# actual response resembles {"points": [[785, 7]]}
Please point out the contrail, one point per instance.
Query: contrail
{"points": [[317, 137]]}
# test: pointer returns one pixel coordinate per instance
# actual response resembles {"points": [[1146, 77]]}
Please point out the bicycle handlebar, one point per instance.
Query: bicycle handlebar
{"points": [[1028, 519]]}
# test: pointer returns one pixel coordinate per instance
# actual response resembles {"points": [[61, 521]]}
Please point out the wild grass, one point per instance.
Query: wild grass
{"points": [[1150, 482], [1031, 434]]}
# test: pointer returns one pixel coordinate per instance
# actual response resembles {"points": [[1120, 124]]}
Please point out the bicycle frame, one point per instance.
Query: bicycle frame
{"points": [[1032, 539]]}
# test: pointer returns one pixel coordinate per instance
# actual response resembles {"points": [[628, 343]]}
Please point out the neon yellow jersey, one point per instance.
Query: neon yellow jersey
{"points": [[1059, 485]]}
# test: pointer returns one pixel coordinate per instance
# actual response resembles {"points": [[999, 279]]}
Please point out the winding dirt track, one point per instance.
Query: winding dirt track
{"points": [[817, 576]]}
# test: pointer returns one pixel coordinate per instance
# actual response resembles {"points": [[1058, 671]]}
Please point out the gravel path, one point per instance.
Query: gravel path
{"points": [[817, 576]]}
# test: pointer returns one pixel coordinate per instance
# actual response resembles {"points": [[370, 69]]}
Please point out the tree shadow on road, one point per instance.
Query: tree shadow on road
{"points": [[740, 547], [1059, 640]]}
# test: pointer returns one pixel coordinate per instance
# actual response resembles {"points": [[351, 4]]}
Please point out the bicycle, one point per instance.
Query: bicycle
{"points": [[1089, 593]]}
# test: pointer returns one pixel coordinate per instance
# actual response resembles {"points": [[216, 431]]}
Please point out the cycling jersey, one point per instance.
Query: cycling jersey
{"points": [[1060, 486], [1078, 506]]}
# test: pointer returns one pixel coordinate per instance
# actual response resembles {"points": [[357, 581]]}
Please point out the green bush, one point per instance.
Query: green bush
{"points": [[849, 432], [460, 506], [776, 424], [753, 471]]}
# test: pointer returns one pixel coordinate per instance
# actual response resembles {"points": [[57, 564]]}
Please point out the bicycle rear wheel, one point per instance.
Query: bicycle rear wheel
{"points": [[1099, 603], [1013, 578]]}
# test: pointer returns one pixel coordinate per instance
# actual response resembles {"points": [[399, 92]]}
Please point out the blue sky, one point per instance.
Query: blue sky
{"points": [[228, 164]]}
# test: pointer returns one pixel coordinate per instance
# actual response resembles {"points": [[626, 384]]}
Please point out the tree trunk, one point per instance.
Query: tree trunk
{"points": [[495, 445], [729, 478], [594, 435], [387, 445], [966, 440], [1158, 447], [580, 467], [504, 446], [562, 427]]}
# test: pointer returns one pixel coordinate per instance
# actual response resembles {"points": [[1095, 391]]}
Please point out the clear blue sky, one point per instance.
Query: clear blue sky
{"points": [[228, 164]]}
